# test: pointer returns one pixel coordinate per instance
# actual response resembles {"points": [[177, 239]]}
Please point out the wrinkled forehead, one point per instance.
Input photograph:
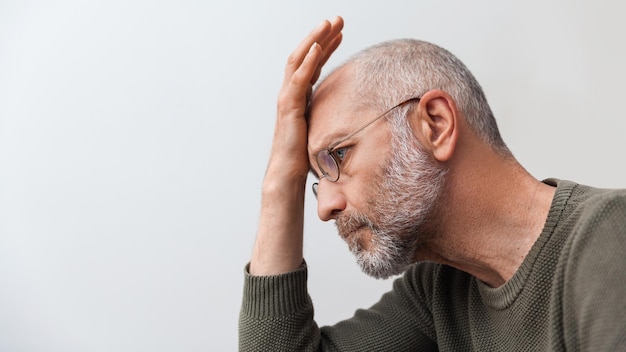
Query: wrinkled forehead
{"points": [[333, 111]]}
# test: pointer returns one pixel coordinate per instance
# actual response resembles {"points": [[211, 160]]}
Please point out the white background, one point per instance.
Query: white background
{"points": [[134, 137]]}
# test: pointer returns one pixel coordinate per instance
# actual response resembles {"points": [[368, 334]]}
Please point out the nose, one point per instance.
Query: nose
{"points": [[330, 200]]}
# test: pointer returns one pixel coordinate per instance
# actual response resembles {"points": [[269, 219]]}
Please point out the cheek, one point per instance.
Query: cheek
{"points": [[378, 147], [371, 168], [363, 191]]}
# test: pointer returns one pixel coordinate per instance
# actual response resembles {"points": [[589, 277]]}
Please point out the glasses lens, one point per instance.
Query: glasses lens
{"points": [[328, 166]]}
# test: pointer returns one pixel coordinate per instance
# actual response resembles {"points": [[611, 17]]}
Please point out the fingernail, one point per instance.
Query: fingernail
{"points": [[312, 47]]}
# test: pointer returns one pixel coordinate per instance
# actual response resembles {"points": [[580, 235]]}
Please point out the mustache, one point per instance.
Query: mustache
{"points": [[349, 223]]}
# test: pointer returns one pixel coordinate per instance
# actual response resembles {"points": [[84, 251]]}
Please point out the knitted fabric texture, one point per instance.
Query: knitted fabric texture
{"points": [[569, 294]]}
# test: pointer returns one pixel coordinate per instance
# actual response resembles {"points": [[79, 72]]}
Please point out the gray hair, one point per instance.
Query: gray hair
{"points": [[391, 72]]}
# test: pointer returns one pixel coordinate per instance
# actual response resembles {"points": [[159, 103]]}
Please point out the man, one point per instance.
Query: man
{"points": [[412, 169]]}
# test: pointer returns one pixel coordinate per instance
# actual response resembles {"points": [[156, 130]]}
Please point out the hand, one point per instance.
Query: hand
{"points": [[303, 68], [278, 247]]}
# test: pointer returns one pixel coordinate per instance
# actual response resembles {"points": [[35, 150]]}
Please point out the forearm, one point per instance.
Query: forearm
{"points": [[278, 246], [277, 314]]}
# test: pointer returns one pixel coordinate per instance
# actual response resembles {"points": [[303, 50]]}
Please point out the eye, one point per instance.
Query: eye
{"points": [[340, 153]]}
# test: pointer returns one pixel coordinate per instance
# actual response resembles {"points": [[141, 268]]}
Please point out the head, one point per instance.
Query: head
{"points": [[384, 216], [391, 71]]}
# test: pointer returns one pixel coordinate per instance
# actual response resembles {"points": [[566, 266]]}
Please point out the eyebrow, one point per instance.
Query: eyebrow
{"points": [[335, 136]]}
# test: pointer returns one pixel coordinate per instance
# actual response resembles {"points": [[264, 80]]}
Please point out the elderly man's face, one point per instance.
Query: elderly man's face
{"points": [[387, 185]]}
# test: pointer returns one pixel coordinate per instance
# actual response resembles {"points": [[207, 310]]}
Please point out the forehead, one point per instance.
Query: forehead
{"points": [[333, 112]]}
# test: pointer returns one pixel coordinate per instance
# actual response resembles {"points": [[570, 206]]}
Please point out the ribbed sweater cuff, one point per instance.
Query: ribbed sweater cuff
{"points": [[275, 295]]}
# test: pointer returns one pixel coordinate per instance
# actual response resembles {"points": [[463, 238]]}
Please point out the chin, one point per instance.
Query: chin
{"points": [[381, 265]]}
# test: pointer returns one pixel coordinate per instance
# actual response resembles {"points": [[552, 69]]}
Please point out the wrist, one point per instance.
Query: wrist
{"points": [[283, 184]]}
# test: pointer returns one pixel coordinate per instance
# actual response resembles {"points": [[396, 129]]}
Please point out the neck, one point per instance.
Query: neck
{"points": [[489, 219]]}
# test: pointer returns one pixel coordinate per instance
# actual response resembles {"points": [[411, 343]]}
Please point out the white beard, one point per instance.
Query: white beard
{"points": [[400, 204]]}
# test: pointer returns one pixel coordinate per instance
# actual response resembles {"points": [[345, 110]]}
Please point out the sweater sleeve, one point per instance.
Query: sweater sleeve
{"points": [[595, 285], [277, 314]]}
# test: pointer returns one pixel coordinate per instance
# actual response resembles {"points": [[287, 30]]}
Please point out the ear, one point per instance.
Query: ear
{"points": [[435, 124]]}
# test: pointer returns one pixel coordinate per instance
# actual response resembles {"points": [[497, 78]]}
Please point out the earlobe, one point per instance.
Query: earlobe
{"points": [[437, 117]]}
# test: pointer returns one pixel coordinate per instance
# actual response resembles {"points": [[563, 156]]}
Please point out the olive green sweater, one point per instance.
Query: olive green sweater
{"points": [[568, 295]]}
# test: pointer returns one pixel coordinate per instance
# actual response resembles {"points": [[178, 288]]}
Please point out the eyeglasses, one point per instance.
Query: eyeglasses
{"points": [[327, 159]]}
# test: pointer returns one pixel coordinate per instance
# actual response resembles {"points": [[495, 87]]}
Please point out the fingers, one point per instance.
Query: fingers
{"points": [[288, 158], [336, 26], [328, 50], [299, 82], [297, 56], [305, 62], [293, 95], [329, 44], [333, 38], [327, 34]]}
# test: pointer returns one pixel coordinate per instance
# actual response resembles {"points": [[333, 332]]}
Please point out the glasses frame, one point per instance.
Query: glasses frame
{"points": [[329, 151]]}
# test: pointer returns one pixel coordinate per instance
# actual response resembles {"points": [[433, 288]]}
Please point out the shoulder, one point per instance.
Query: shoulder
{"points": [[593, 264], [599, 202], [599, 220], [592, 244], [595, 223], [587, 212]]}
